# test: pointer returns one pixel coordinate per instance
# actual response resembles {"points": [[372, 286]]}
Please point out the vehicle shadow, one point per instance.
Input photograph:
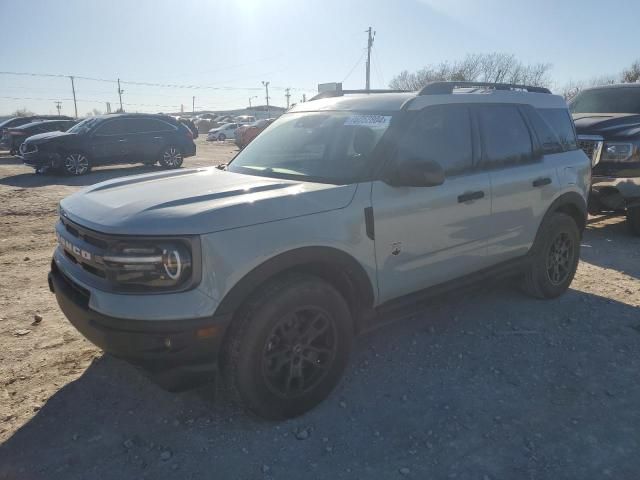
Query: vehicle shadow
{"points": [[32, 180], [485, 383], [608, 243]]}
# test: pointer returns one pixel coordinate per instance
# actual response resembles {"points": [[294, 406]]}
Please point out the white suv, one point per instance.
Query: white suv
{"points": [[345, 207]]}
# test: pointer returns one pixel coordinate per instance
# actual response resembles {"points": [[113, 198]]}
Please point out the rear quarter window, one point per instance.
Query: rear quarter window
{"points": [[505, 135], [562, 124]]}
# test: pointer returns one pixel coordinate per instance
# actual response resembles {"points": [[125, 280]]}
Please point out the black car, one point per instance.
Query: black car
{"points": [[18, 121], [109, 139], [16, 135], [607, 121]]}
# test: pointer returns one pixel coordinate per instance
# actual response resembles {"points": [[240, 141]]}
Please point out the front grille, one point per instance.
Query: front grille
{"points": [[86, 248], [592, 147]]}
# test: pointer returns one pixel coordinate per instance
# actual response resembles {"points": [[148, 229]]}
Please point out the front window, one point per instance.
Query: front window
{"points": [[328, 147], [84, 126], [607, 100]]}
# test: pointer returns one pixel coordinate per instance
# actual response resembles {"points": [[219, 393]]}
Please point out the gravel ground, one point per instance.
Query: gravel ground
{"points": [[482, 384]]}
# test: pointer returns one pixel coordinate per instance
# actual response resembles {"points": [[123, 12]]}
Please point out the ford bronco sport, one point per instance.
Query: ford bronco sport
{"points": [[607, 120], [345, 207]]}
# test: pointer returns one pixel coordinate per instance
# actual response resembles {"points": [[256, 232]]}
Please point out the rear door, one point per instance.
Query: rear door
{"points": [[428, 235], [109, 142], [523, 178], [148, 136]]}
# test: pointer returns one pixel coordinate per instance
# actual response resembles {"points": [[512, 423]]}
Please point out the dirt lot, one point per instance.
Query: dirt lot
{"points": [[484, 384]]}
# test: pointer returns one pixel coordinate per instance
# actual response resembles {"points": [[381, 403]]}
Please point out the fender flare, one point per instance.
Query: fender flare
{"points": [[333, 265], [570, 203]]}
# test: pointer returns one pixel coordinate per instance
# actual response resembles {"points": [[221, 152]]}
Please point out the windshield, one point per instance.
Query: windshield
{"points": [[84, 126], [328, 147], [607, 100]]}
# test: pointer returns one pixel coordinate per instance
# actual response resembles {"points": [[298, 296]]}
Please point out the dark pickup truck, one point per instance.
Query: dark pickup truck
{"points": [[607, 122]]}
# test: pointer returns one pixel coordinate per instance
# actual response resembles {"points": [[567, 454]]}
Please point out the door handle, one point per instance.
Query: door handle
{"points": [[541, 182], [470, 196]]}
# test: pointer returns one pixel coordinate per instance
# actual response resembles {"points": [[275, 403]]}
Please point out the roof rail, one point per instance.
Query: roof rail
{"points": [[340, 93], [443, 88]]}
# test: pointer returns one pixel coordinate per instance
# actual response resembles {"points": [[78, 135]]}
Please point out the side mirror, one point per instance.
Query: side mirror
{"points": [[417, 172]]}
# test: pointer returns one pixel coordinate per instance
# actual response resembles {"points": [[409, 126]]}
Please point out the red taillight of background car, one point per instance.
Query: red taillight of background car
{"points": [[16, 132]]}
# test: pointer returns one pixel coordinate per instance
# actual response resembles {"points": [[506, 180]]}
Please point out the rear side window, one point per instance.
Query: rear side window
{"points": [[505, 136], [562, 124], [546, 135], [146, 125], [442, 134]]}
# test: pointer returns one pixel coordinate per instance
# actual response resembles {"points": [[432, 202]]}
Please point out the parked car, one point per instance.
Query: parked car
{"points": [[17, 135], [245, 119], [246, 133], [228, 130], [607, 120], [109, 139], [344, 209], [190, 125], [18, 121]]}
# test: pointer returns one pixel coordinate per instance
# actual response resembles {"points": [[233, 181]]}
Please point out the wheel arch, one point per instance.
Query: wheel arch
{"points": [[572, 204], [334, 266]]}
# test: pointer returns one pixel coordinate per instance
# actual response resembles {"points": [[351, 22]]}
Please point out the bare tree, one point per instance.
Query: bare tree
{"points": [[632, 74], [22, 112], [571, 89], [481, 67]]}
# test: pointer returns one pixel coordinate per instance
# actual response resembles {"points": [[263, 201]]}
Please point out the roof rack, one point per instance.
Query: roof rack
{"points": [[443, 88], [340, 93]]}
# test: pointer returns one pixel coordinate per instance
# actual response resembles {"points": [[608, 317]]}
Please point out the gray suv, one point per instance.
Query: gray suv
{"points": [[346, 208]]}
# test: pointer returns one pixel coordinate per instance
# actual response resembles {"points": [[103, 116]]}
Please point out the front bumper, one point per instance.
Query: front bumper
{"points": [[615, 192], [177, 353], [40, 159]]}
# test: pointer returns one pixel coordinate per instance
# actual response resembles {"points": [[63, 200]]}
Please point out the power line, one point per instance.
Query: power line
{"points": [[354, 67]]}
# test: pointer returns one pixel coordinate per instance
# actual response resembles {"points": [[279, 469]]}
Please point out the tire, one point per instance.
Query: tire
{"points": [[633, 220], [171, 157], [554, 257], [270, 364], [13, 152], [222, 137], [75, 164]]}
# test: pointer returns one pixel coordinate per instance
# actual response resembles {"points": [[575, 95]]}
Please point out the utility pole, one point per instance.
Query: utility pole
{"points": [[108, 105], [266, 88], [120, 92], [369, 45], [73, 89], [250, 98], [288, 95], [58, 106], [193, 104], [304, 97]]}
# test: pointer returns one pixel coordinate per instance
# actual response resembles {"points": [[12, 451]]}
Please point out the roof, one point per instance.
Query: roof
{"points": [[614, 85], [391, 102]]}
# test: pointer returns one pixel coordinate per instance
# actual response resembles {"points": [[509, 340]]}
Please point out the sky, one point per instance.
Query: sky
{"points": [[224, 49]]}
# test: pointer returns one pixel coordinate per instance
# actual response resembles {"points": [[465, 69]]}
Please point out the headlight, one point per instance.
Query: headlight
{"points": [[150, 265], [617, 152]]}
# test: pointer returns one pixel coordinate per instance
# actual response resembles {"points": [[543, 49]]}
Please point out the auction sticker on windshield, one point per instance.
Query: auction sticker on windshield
{"points": [[373, 121]]}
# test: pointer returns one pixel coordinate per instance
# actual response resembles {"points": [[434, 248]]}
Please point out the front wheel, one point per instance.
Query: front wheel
{"points": [[288, 347], [633, 220], [171, 157], [75, 164], [222, 137], [554, 257]]}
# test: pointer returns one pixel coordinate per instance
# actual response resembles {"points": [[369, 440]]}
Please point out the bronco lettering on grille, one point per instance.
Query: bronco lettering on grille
{"points": [[73, 248]]}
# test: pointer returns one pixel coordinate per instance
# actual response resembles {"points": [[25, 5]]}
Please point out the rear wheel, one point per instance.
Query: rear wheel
{"points": [[633, 220], [555, 257], [171, 157], [75, 163], [288, 347]]}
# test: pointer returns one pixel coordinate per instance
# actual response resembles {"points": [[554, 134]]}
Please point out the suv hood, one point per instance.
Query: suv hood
{"points": [[618, 125], [197, 201], [45, 137]]}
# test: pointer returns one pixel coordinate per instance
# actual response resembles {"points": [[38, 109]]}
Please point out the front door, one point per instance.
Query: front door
{"points": [[110, 142], [428, 235]]}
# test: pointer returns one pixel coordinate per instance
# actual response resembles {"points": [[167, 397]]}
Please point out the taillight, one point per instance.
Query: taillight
{"points": [[16, 132]]}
